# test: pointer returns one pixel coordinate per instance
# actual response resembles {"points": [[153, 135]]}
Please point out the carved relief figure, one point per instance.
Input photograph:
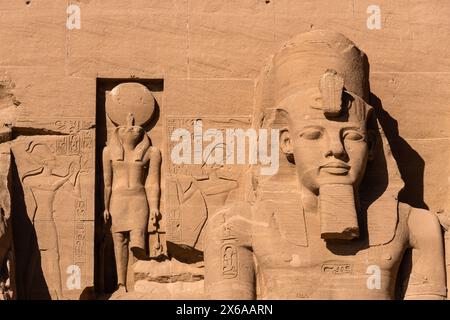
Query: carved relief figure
{"points": [[329, 222], [201, 195], [43, 185], [131, 169]]}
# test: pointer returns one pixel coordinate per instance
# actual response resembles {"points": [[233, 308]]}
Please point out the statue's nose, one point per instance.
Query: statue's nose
{"points": [[336, 148]]}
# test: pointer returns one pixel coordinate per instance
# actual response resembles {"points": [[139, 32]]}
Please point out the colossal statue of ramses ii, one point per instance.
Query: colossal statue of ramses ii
{"points": [[329, 224]]}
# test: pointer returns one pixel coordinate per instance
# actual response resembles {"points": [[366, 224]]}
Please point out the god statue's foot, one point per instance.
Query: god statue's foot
{"points": [[121, 289], [120, 293]]}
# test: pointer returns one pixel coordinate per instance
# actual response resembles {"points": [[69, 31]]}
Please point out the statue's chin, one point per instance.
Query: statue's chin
{"points": [[130, 142], [314, 185]]}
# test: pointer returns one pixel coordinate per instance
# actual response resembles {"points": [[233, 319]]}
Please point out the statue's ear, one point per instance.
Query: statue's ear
{"points": [[285, 142], [372, 143]]}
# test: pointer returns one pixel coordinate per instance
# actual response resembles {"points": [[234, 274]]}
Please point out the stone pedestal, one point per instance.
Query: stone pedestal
{"points": [[165, 280]]}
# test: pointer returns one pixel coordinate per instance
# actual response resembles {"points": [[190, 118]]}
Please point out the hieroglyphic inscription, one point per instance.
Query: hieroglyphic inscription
{"points": [[79, 238], [81, 143], [75, 144], [189, 201], [337, 268], [229, 261], [72, 125], [187, 122], [62, 125], [229, 253]]}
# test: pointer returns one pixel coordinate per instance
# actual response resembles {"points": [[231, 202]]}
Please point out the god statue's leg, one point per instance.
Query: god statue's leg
{"points": [[137, 243], [121, 240]]}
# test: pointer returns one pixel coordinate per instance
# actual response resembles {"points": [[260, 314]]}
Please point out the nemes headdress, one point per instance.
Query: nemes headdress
{"points": [[329, 75]]}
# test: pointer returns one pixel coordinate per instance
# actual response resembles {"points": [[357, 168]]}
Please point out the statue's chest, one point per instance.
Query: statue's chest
{"points": [[324, 270], [332, 259], [129, 168]]}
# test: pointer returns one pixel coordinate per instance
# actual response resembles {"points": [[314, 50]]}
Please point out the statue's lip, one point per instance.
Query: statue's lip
{"points": [[336, 164]]}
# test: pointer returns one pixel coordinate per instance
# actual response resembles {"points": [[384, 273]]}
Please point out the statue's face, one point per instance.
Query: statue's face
{"points": [[130, 135], [211, 168], [49, 162], [325, 150]]}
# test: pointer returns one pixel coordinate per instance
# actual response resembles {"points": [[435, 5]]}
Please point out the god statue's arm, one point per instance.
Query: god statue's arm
{"points": [[152, 184], [183, 195], [427, 279], [59, 183], [107, 180], [229, 260]]}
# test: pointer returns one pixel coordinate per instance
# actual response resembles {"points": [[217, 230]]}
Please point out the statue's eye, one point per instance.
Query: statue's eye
{"points": [[311, 134], [353, 135]]}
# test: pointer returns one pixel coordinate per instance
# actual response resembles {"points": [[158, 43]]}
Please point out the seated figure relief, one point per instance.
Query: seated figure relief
{"points": [[329, 224]]}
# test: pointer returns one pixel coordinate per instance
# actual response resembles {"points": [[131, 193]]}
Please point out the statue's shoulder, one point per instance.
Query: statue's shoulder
{"points": [[154, 151], [422, 224], [418, 214], [404, 210], [153, 154]]}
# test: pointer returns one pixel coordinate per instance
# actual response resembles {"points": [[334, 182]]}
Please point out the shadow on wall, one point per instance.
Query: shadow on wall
{"points": [[104, 265], [30, 279], [412, 173]]}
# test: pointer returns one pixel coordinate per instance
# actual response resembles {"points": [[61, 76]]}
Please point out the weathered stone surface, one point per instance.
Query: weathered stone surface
{"points": [[209, 97], [411, 38], [167, 271], [203, 61], [416, 98], [224, 42], [169, 279], [59, 96], [155, 40], [422, 166], [34, 34]]}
